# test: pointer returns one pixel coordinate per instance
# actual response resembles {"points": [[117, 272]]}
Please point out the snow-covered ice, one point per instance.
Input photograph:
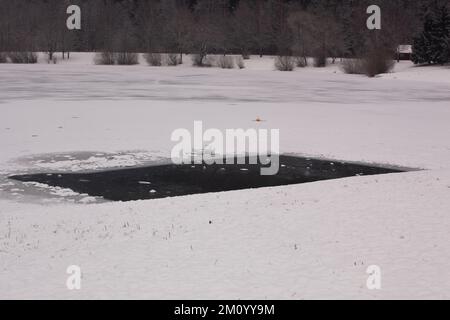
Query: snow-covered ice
{"points": [[302, 241]]}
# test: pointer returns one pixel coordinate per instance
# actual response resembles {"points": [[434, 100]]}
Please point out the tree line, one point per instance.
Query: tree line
{"points": [[301, 28]]}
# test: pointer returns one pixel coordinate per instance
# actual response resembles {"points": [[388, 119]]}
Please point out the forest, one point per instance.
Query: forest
{"points": [[301, 28]]}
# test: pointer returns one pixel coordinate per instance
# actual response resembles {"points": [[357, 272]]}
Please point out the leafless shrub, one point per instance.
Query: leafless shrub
{"points": [[246, 56], [320, 61], [173, 59], [52, 60], [377, 62], [301, 62], [226, 62], [372, 64], [127, 58], [240, 62], [197, 60], [3, 57], [201, 60], [104, 58], [353, 66], [284, 63], [210, 61], [23, 57], [154, 59]]}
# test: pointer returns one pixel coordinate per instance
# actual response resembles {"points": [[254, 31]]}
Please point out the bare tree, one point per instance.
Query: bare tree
{"points": [[299, 23], [52, 26], [244, 28], [251, 30], [262, 35], [179, 30], [206, 35], [150, 26], [324, 33]]}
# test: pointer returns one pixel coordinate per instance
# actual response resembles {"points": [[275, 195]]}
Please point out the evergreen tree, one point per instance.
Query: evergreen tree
{"points": [[422, 43], [432, 45], [442, 35], [351, 19]]}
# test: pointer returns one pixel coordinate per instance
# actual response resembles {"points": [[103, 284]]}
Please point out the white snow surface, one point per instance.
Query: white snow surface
{"points": [[304, 241]]}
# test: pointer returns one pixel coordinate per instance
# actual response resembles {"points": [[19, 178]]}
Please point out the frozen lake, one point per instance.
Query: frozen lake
{"points": [[79, 80]]}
